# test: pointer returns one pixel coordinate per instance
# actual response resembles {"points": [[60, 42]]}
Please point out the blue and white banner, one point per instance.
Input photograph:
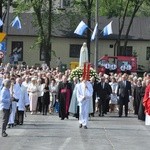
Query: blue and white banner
{"points": [[108, 29], [80, 28], [16, 23]]}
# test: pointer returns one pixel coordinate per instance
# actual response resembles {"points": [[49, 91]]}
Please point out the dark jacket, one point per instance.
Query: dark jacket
{"points": [[124, 91], [103, 93]]}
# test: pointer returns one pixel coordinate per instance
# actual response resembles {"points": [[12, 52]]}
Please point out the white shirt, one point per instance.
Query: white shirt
{"points": [[84, 90], [20, 93]]}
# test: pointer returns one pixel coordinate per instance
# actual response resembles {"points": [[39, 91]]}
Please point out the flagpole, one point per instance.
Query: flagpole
{"points": [[96, 38], [7, 27]]}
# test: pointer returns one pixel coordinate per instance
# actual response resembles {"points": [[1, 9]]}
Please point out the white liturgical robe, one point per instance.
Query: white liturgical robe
{"points": [[84, 96]]}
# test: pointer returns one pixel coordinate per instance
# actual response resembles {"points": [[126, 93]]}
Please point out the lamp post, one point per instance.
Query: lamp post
{"points": [[96, 37]]}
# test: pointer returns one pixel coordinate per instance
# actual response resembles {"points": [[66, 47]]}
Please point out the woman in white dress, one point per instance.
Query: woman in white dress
{"points": [[53, 92], [113, 96], [33, 95]]}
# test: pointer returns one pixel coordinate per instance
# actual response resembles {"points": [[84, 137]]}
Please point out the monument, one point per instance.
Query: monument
{"points": [[83, 55]]}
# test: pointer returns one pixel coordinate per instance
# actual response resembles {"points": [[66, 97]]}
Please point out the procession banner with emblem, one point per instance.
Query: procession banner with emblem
{"points": [[86, 71]]}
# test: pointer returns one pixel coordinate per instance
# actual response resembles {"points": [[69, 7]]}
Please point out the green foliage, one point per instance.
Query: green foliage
{"points": [[84, 7], [77, 72], [111, 8], [116, 8]]}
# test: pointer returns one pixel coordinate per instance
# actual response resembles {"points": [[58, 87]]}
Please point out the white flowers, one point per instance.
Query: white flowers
{"points": [[78, 73]]}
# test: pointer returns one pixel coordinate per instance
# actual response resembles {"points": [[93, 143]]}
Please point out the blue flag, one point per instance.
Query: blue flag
{"points": [[3, 46], [107, 29], [1, 22], [94, 32], [80, 28], [16, 23]]}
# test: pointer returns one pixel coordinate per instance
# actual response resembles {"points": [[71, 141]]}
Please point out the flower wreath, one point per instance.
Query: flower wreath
{"points": [[77, 72]]}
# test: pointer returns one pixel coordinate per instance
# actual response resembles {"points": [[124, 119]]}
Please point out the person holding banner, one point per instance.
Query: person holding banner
{"points": [[84, 96]]}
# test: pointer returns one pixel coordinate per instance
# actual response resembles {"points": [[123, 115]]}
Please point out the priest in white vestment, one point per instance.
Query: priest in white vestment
{"points": [[84, 97], [20, 93]]}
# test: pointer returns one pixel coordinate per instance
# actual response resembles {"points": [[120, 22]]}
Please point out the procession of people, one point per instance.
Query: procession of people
{"points": [[43, 91]]}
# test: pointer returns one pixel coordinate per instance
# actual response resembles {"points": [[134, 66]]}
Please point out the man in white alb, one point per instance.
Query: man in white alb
{"points": [[84, 96]]}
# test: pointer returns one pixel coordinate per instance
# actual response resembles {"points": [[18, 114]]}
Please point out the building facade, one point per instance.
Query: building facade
{"points": [[67, 46]]}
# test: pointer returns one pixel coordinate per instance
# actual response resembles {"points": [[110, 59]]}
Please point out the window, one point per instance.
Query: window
{"points": [[64, 3], [17, 47], [127, 52], [148, 53], [75, 50]]}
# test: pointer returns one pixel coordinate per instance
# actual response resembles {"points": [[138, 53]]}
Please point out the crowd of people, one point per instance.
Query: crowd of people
{"points": [[43, 90]]}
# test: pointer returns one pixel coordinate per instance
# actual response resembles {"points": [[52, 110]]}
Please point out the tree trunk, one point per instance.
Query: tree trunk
{"points": [[46, 52], [88, 7], [48, 49], [45, 39], [137, 6], [121, 26]]}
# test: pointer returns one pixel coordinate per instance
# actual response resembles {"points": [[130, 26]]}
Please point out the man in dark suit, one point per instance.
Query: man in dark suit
{"points": [[103, 91], [124, 91]]}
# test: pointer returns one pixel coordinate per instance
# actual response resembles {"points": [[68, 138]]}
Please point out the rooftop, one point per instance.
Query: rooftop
{"points": [[140, 29]]}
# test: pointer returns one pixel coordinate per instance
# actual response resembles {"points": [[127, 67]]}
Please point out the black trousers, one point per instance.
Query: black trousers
{"points": [[102, 106], [5, 118], [39, 104], [19, 116], [93, 106], [121, 109], [45, 108]]}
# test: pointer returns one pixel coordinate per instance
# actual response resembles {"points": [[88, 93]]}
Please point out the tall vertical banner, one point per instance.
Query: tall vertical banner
{"points": [[86, 71]]}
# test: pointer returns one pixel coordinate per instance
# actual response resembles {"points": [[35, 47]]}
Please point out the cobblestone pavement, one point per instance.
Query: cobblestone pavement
{"points": [[104, 133]]}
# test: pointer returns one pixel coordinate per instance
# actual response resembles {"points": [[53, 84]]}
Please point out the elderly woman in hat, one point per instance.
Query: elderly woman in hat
{"points": [[33, 95]]}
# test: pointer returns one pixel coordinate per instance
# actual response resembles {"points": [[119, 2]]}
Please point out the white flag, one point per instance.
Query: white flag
{"points": [[108, 29], [80, 28], [16, 23], [94, 32], [1, 22]]}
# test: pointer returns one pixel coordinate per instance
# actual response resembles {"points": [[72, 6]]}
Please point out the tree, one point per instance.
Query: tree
{"points": [[43, 21], [86, 7], [122, 9]]}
